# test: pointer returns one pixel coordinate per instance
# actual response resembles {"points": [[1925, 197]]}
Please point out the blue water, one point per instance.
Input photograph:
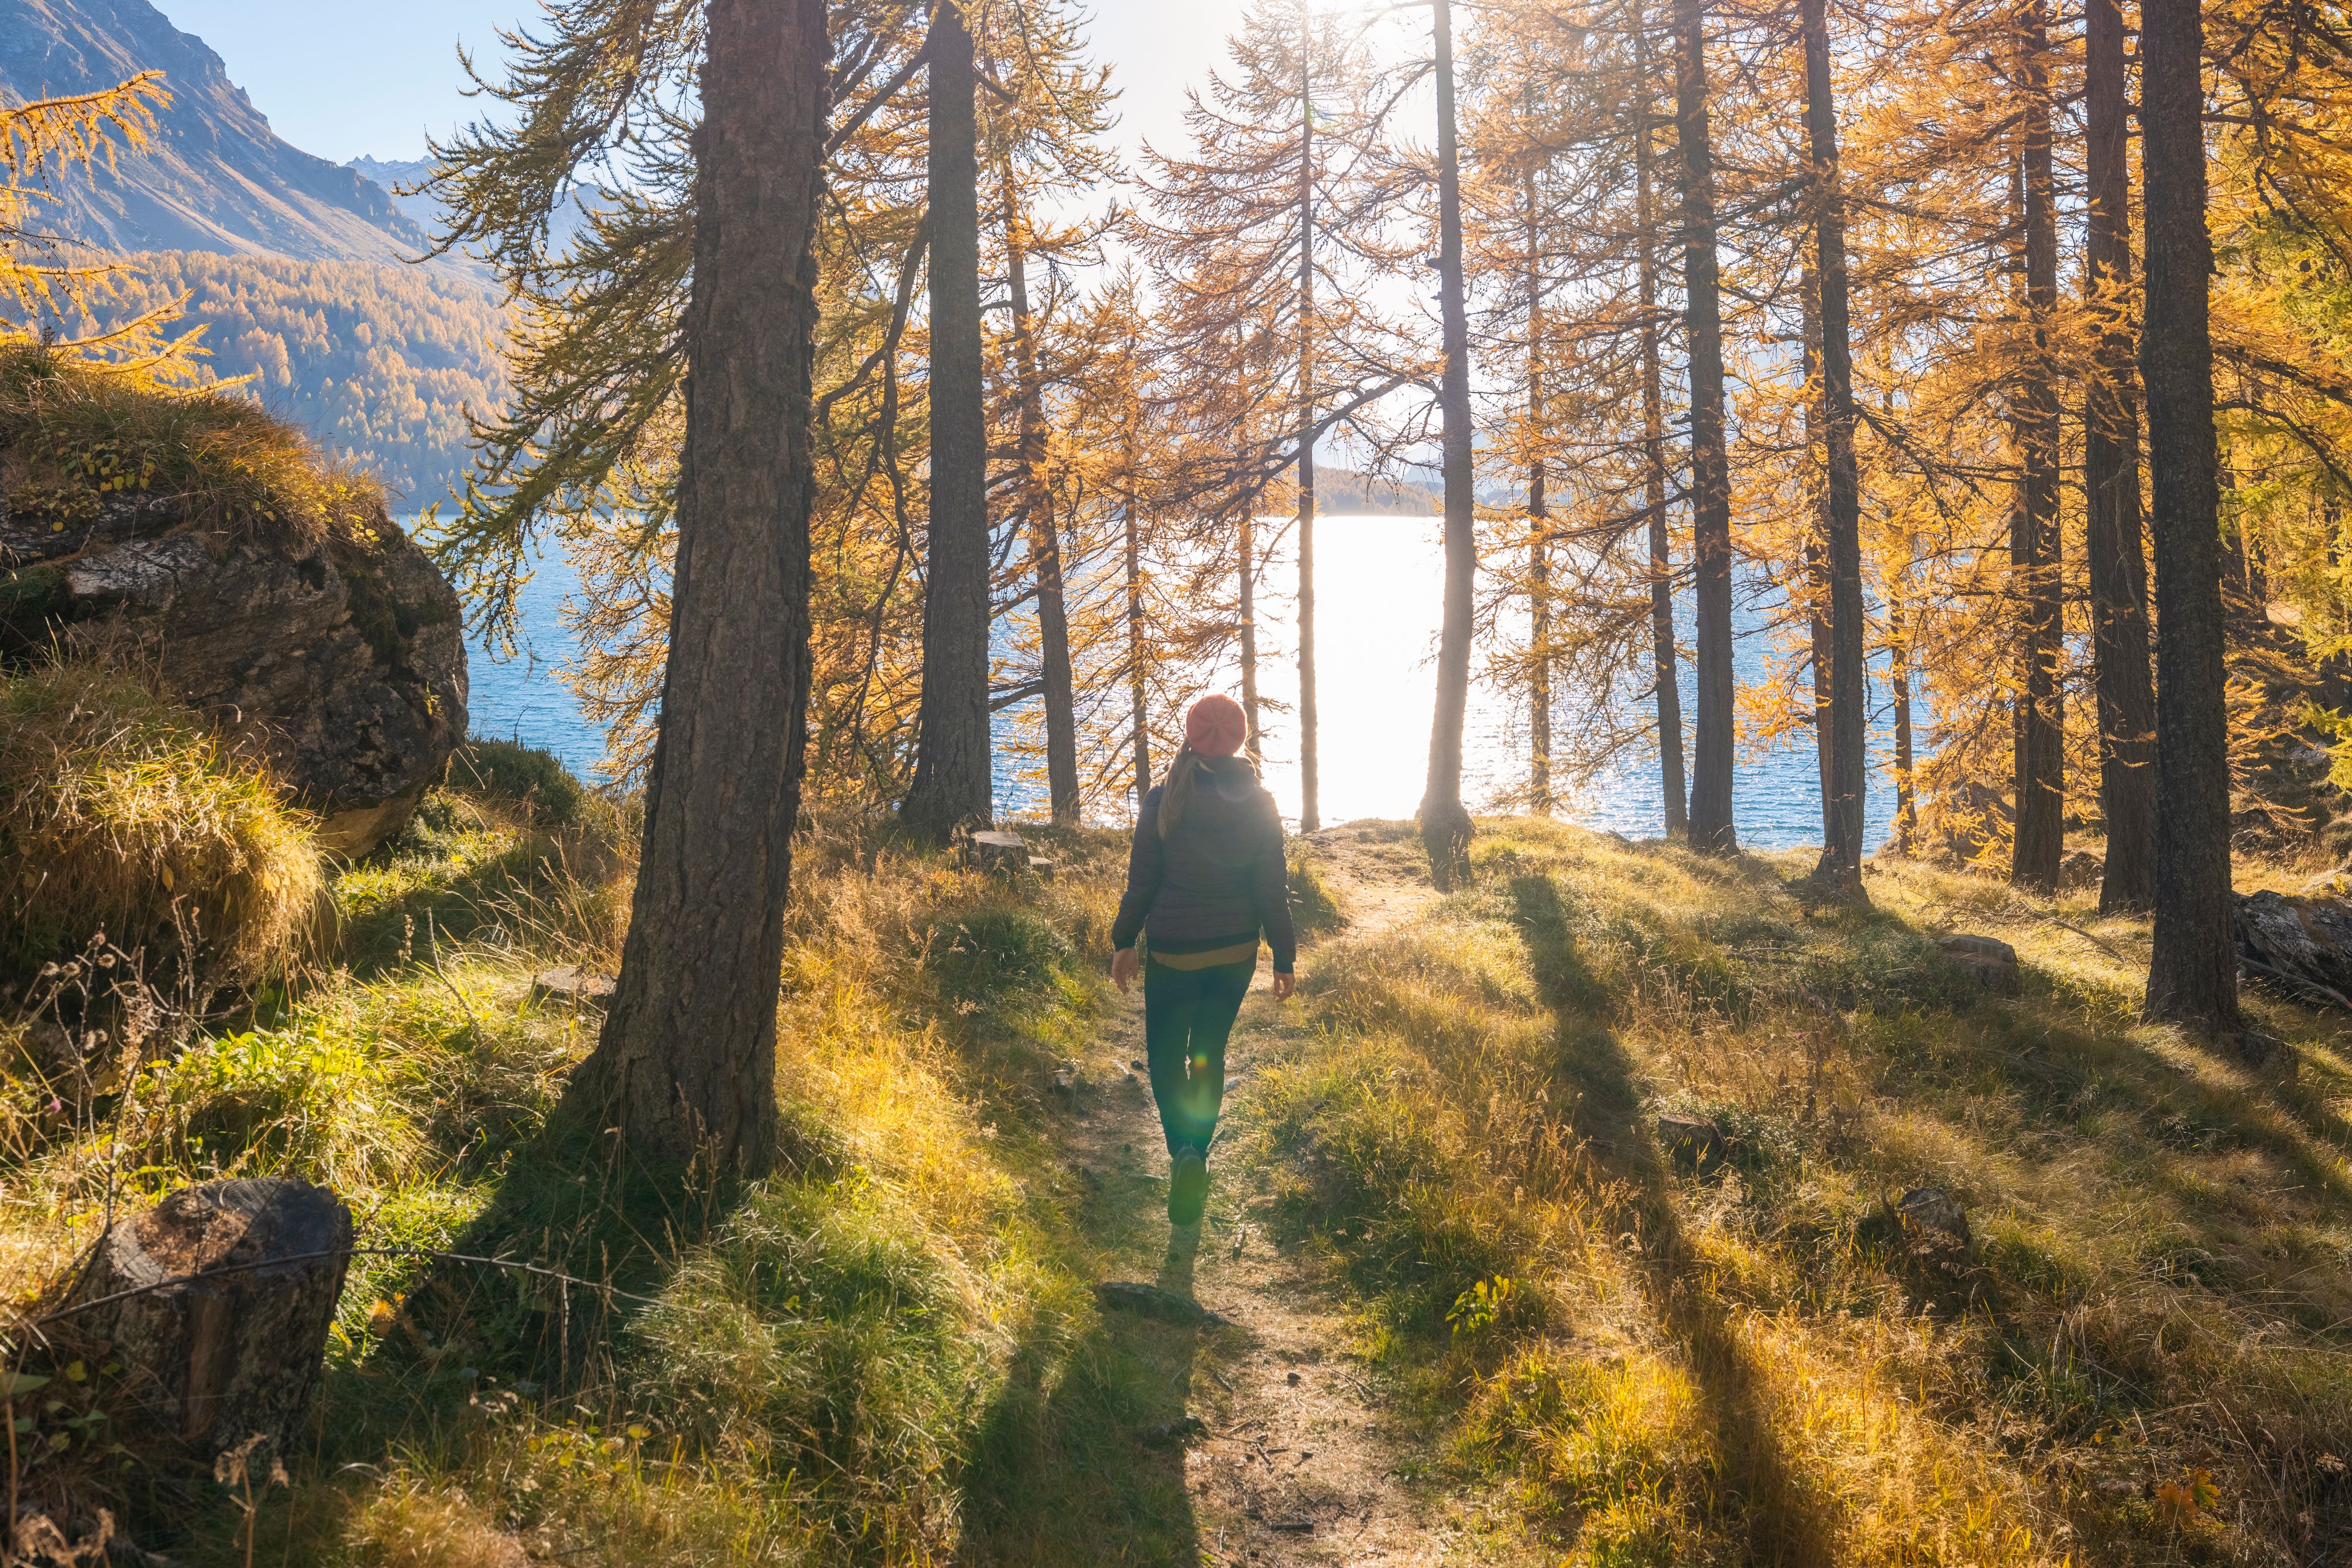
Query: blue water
{"points": [[1377, 594]]}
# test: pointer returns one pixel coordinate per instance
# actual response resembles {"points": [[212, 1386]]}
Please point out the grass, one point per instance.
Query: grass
{"points": [[120, 814], [76, 434], [2142, 1359], [861, 1355]]}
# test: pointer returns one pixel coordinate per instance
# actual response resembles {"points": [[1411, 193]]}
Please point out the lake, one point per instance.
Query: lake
{"points": [[1377, 589]]}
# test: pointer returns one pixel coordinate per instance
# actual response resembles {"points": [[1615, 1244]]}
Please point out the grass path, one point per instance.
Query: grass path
{"points": [[1301, 1456]]}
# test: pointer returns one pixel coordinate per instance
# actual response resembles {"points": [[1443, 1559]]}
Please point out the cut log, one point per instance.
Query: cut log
{"points": [[1001, 852], [1988, 960], [216, 1301]]}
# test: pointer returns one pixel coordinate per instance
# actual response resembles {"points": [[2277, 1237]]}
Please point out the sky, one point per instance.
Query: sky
{"points": [[345, 80]]}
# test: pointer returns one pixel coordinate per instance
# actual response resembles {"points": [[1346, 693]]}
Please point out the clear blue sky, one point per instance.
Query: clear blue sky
{"points": [[343, 79]]}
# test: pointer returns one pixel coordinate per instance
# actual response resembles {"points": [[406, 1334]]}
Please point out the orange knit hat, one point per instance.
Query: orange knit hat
{"points": [[1216, 727]]}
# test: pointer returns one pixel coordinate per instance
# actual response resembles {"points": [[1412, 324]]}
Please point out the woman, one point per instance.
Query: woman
{"points": [[1205, 878]]}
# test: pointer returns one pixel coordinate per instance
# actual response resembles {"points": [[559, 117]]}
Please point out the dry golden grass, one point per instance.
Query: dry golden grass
{"points": [[120, 813], [2143, 1359], [73, 433]]}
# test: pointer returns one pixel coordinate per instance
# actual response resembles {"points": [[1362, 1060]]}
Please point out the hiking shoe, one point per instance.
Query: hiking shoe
{"points": [[1188, 1189]]}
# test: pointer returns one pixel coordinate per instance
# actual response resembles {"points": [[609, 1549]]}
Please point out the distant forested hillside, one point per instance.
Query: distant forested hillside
{"points": [[378, 361]]}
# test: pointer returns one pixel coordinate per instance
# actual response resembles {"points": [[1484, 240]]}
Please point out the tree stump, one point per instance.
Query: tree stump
{"points": [[1000, 851], [1988, 960], [235, 1287]]}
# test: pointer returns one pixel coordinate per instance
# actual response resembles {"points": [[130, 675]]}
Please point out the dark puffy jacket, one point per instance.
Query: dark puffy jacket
{"points": [[1218, 878]]}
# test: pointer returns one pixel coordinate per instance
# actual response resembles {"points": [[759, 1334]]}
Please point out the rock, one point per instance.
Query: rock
{"points": [[2300, 946], [1151, 1301], [996, 852], [226, 1291], [341, 661], [1690, 1140], [2080, 869], [567, 983], [1988, 960], [1933, 1219]]}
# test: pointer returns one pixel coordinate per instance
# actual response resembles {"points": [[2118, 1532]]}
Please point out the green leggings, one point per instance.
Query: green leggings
{"points": [[1187, 1016]]}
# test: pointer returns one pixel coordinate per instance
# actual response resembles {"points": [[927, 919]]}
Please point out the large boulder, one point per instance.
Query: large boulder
{"points": [[2300, 946], [339, 656]]}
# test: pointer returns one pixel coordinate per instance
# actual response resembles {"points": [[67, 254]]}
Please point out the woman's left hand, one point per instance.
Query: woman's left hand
{"points": [[1283, 986]]}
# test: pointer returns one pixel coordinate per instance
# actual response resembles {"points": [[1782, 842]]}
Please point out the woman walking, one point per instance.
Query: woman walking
{"points": [[1205, 879]]}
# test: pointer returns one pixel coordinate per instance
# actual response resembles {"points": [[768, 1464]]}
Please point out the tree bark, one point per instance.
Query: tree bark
{"points": [[1898, 659], [1255, 742], [2113, 539], [1844, 794], [235, 1285], [1539, 796], [953, 786], [2039, 755], [1309, 756], [2192, 975], [1663, 647], [1137, 685], [686, 1065], [1711, 825], [1045, 539], [1445, 823]]}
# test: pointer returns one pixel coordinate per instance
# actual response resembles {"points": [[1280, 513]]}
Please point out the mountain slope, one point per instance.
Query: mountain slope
{"points": [[216, 177], [425, 213]]}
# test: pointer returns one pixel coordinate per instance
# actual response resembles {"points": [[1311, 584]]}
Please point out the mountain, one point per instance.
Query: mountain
{"points": [[378, 360], [215, 177], [425, 213]]}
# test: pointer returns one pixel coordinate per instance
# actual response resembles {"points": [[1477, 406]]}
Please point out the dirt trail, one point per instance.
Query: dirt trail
{"points": [[1299, 1459]]}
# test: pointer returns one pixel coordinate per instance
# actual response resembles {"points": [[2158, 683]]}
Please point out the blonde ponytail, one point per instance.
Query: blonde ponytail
{"points": [[1176, 789]]}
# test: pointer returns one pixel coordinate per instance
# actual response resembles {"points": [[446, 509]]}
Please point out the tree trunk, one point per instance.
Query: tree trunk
{"points": [[1847, 784], [1539, 796], [1445, 823], [1711, 826], [1816, 562], [2192, 977], [686, 1065], [1255, 743], [1310, 759], [953, 787], [1664, 648], [1898, 658], [1137, 685], [2112, 532], [1045, 539], [2040, 773], [235, 1286]]}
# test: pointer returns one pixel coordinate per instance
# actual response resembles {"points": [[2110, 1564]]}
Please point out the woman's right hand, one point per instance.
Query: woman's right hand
{"points": [[1124, 967]]}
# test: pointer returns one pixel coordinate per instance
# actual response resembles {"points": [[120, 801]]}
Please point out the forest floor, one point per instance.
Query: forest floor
{"points": [[1561, 1218], [1302, 1455]]}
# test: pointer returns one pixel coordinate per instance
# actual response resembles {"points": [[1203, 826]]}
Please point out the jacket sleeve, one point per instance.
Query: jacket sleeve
{"points": [[1272, 878], [1145, 858]]}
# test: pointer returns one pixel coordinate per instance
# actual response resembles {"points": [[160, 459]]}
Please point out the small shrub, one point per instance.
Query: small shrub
{"points": [[983, 957], [119, 812], [533, 782], [1314, 908]]}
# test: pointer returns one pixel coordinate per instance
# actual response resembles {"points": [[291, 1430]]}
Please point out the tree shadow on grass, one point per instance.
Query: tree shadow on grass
{"points": [[1079, 1459], [1787, 1523]]}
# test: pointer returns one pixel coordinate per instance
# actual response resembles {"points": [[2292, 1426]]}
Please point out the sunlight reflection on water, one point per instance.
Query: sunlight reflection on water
{"points": [[1378, 582]]}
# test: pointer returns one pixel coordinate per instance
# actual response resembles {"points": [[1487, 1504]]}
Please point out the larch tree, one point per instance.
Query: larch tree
{"points": [[1445, 821], [685, 1066], [1711, 825], [2193, 978], [1845, 778], [954, 784], [2115, 540], [2038, 838]]}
